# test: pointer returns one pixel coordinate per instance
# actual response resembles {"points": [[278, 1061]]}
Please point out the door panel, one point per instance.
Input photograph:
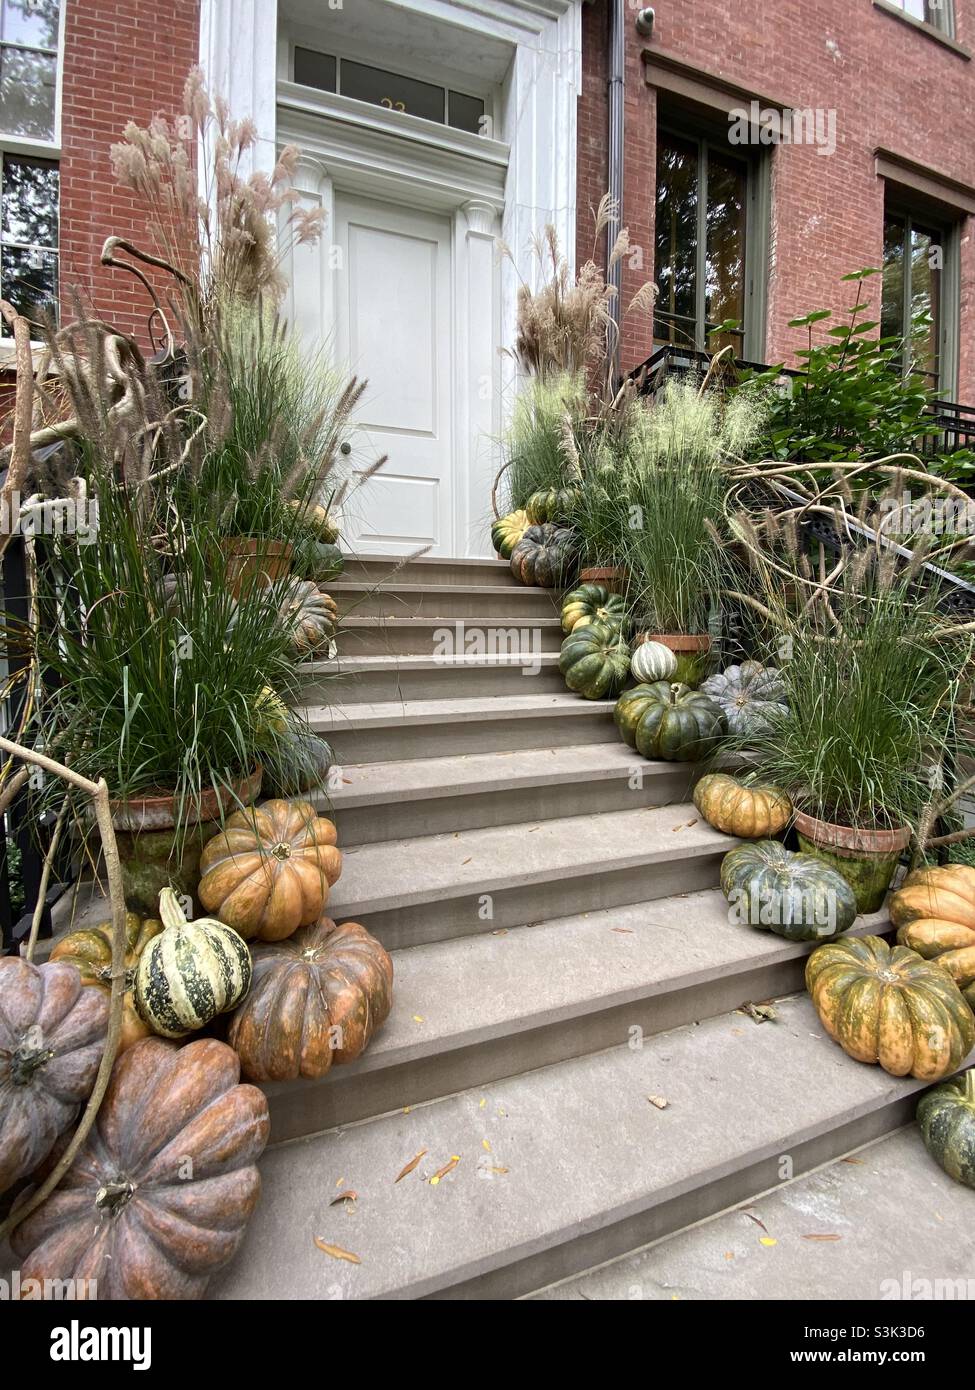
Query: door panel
{"points": [[393, 325]]}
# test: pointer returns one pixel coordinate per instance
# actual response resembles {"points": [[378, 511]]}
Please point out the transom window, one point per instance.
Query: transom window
{"points": [[700, 243], [393, 90], [29, 68], [938, 13], [911, 303]]}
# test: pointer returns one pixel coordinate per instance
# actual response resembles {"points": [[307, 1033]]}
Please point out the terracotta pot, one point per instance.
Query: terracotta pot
{"points": [[866, 858], [254, 560], [154, 855], [692, 650], [612, 577]]}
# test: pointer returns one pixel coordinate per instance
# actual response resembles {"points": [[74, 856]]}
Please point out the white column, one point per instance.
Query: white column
{"points": [[310, 300], [238, 54], [477, 374]]}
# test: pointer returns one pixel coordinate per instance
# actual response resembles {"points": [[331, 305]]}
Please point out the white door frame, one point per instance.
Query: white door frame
{"points": [[490, 187]]}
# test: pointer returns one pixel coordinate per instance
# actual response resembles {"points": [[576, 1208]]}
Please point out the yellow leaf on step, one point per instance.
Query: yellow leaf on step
{"points": [[336, 1252], [767, 1240]]}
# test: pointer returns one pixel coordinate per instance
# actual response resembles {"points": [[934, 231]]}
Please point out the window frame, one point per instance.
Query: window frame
{"points": [[926, 26], [29, 147], [949, 306], [756, 162]]}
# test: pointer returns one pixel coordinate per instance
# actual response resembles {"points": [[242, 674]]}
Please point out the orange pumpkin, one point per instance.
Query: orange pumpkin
{"points": [[934, 913], [270, 870], [90, 951], [316, 998]]}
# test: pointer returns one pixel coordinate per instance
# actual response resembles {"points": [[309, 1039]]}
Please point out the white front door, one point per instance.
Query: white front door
{"points": [[394, 321]]}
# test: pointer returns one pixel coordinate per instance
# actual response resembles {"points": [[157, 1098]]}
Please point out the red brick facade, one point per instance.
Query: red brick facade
{"points": [[123, 60], [891, 85]]}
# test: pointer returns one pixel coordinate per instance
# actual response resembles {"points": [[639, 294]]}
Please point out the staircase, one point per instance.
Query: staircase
{"points": [[562, 956]]}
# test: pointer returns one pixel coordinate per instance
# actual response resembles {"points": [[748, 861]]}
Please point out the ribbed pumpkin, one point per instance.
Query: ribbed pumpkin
{"points": [[749, 694], [551, 504], [595, 660], [310, 615], [794, 895], [52, 1035], [652, 661], [160, 1194], [507, 531], [671, 722], [888, 1005], [90, 951], [270, 710], [946, 1116], [317, 999], [301, 762], [592, 603], [544, 555], [270, 870], [751, 812], [317, 520], [934, 913], [317, 560], [189, 973]]}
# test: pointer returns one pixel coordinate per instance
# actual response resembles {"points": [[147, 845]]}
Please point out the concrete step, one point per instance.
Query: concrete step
{"points": [[515, 602], [563, 1168], [869, 1252], [477, 1008], [372, 801], [393, 572], [351, 679], [426, 636], [412, 891], [390, 730]]}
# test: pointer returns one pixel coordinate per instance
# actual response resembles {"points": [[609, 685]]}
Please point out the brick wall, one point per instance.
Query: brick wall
{"points": [[123, 60], [890, 86]]}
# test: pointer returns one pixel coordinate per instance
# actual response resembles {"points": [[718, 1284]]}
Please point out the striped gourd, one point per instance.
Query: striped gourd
{"points": [[191, 972]]}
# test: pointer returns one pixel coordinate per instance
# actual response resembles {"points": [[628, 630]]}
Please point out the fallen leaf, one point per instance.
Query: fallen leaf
{"points": [[418, 1018], [410, 1166], [692, 822], [485, 1146], [467, 860], [828, 1236], [851, 1160], [624, 931], [336, 1251], [767, 1240], [339, 1182], [759, 1013], [729, 1254], [346, 781], [347, 1196], [482, 1103], [407, 1109], [756, 1220], [659, 1102], [447, 1168], [497, 1170], [501, 931]]}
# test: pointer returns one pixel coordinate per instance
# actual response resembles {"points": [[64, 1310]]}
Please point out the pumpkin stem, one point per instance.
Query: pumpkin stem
{"points": [[169, 909], [674, 692], [114, 1196], [968, 1082], [29, 1055]]}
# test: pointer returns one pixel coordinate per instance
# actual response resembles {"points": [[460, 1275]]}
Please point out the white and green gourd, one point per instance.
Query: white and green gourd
{"points": [[652, 661], [190, 972]]}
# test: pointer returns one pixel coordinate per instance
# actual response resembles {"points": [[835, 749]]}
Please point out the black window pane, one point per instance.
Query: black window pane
{"points": [[27, 85], [926, 255], [32, 22], [315, 69], [464, 113], [388, 89], [725, 264], [30, 201], [675, 239], [892, 296], [29, 280]]}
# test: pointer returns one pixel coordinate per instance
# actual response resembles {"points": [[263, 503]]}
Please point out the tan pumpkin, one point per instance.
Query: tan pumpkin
{"points": [[888, 1005], [159, 1196], [934, 913], [317, 520], [316, 999], [270, 869], [310, 615], [750, 812], [90, 951]]}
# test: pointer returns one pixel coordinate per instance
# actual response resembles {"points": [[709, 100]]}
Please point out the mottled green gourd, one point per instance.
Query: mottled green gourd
{"points": [[595, 660], [669, 722], [544, 556], [551, 504], [946, 1116], [793, 895], [592, 603], [507, 531]]}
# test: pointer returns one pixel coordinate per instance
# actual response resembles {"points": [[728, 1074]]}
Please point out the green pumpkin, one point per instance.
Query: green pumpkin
{"points": [[507, 531], [946, 1116], [592, 603], [751, 695], [793, 895], [595, 660], [552, 504], [544, 555], [317, 560], [671, 722], [300, 763]]}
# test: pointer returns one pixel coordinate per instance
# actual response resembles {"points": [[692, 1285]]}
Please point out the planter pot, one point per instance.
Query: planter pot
{"points": [[155, 855], [253, 560], [612, 577], [692, 650], [866, 858]]}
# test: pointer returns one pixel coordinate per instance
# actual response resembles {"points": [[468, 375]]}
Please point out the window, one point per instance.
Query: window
{"points": [[938, 13], [914, 303], [702, 237], [30, 33], [380, 87]]}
